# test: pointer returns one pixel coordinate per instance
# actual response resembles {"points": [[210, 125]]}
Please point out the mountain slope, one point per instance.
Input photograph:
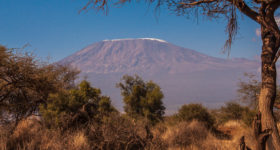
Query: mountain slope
{"points": [[184, 75]]}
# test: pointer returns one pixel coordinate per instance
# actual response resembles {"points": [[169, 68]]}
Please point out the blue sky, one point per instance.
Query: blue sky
{"points": [[55, 28]]}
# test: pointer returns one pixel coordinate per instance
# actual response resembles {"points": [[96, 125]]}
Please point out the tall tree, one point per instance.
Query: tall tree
{"points": [[262, 12], [142, 98], [25, 83]]}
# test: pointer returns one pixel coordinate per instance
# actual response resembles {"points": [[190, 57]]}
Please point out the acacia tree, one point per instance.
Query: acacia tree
{"points": [[25, 83], [262, 12]]}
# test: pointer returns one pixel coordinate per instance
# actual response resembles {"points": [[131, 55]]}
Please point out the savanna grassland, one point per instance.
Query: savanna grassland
{"points": [[43, 108]]}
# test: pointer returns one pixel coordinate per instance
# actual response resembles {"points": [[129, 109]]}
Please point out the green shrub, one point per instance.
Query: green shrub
{"points": [[234, 111], [248, 116], [185, 134], [142, 99], [76, 106], [195, 112], [121, 132]]}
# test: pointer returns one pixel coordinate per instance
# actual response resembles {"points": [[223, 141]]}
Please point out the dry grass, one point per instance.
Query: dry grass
{"points": [[185, 134], [194, 136], [122, 133], [80, 141]]}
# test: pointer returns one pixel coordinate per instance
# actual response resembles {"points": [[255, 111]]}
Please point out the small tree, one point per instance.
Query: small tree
{"points": [[141, 98], [73, 107], [195, 112]]}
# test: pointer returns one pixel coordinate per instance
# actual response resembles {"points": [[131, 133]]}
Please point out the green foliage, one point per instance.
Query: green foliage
{"points": [[104, 106], [142, 99], [248, 116], [76, 106], [234, 111], [197, 112], [25, 83]]}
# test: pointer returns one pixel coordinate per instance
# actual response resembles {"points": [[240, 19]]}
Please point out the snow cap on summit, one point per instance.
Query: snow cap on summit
{"points": [[153, 39]]}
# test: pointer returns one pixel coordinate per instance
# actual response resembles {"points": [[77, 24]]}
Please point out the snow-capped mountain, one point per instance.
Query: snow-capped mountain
{"points": [[184, 75]]}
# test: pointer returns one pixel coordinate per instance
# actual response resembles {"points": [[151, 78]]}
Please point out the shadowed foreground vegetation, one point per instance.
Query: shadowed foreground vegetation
{"points": [[42, 108], [120, 132]]}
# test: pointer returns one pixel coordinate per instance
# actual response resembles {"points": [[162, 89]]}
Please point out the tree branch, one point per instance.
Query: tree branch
{"points": [[274, 62], [244, 8], [275, 5], [197, 2], [260, 1]]}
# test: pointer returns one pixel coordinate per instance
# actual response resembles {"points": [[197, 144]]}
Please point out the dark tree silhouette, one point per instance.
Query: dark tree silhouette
{"points": [[262, 12]]}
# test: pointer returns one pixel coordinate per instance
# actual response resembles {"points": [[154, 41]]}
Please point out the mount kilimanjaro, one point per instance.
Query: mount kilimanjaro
{"points": [[185, 76]]}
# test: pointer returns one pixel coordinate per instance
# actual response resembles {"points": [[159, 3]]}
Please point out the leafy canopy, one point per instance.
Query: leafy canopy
{"points": [[235, 111], [76, 106], [197, 112], [142, 99], [25, 83]]}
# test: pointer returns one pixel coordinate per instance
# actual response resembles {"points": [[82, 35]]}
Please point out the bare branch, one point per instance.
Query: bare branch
{"points": [[231, 29], [197, 2]]}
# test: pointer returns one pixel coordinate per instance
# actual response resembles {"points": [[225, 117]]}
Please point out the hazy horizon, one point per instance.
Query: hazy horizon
{"points": [[185, 75]]}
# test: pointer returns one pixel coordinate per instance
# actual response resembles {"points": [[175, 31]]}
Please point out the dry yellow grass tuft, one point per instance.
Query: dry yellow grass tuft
{"points": [[27, 127], [185, 134], [80, 141], [236, 129]]}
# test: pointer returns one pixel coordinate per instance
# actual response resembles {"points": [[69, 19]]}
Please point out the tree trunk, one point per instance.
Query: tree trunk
{"points": [[268, 89]]}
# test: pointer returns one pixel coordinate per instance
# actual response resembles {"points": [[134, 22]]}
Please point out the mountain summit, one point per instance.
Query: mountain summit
{"points": [[147, 55], [185, 75]]}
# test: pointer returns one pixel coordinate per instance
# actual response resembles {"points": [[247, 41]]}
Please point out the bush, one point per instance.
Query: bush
{"points": [[32, 135], [185, 134], [234, 111], [248, 116], [69, 108], [120, 132], [195, 112]]}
